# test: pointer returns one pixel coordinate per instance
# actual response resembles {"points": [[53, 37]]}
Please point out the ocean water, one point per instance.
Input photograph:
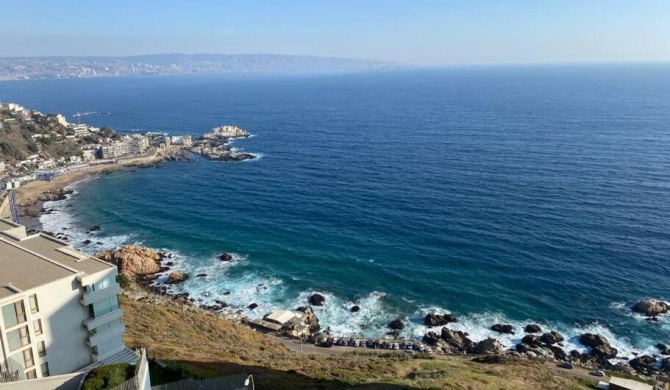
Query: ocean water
{"points": [[499, 194]]}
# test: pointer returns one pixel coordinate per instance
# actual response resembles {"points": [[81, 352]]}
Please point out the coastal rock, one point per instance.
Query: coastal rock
{"points": [[558, 352], [176, 277], [665, 365], [531, 340], [252, 306], [396, 324], [201, 275], [489, 346], [309, 319], [94, 228], [317, 299], [532, 328], [133, 260], [432, 320], [431, 338], [645, 365], [651, 307], [601, 349], [355, 309], [663, 349], [87, 242], [457, 340], [226, 257], [552, 337], [54, 195], [523, 348], [501, 328]]}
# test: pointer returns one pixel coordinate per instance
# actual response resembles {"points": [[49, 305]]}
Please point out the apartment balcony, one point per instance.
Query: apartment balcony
{"points": [[92, 323], [96, 296], [107, 334]]}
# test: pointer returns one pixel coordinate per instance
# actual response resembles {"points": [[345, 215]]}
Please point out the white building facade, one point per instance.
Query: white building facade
{"points": [[59, 310]]}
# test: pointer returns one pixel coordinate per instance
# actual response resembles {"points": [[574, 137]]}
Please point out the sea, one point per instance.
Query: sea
{"points": [[515, 195]]}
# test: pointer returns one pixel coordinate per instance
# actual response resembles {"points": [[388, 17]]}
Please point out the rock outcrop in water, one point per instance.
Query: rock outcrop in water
{"points": [[438, 320], [651, 307], [552, 337], [133, 260], [532, 328], [317, 300], [503, 328]]}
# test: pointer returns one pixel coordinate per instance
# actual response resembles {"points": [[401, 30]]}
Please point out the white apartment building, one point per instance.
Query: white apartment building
{"points": [[61, 120], [59, 311], [138, 144], [80, 130]]}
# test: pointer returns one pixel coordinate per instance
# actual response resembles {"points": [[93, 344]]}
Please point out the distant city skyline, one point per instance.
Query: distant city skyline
{"points": [[425, 33]]}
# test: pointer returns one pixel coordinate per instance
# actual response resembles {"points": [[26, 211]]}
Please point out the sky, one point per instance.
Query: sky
{"points": [[418, 32]]}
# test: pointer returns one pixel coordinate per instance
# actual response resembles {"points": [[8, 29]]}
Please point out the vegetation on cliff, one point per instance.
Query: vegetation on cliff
{"points": [[209, 346]]}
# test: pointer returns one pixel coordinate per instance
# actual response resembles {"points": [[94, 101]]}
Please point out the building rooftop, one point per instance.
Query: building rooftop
{"points": [[280, 316], [24, 270], [30, 261], [628, 384]]}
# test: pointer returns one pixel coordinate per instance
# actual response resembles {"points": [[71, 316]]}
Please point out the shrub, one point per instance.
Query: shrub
{"points": [[106, 377]]}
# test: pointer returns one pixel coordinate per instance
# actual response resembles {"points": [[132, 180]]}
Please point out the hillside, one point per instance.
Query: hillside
{"points": [[20, 138], [210, 346]]}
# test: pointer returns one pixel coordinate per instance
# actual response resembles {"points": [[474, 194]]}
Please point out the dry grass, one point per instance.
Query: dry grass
{"points": [[210, 346]]}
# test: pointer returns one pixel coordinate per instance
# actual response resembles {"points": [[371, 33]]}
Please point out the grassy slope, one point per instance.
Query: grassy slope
{"points": [[211, 346]]}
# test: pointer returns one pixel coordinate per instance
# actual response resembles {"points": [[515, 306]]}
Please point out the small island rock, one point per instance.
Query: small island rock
{"points": [[317, 299], [532, 328], [651, 307]]}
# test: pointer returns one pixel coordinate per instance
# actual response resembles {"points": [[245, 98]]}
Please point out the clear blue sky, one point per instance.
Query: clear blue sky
{"points": [[422, 32]]}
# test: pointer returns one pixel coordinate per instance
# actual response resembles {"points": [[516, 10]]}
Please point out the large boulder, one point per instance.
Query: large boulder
{"points": [[226, 257], [396, 324], [644, 365], [651, 307], [355, 309], [665, 365], [133, 260], [505, 329], [457, 340], [317, 299], [552, 337], [592, 340], [531, 340], [176, 277], [438, 320], [431, 338], [488, 346], [532, 328]]}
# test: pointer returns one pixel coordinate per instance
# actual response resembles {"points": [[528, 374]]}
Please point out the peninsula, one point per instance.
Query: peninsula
{"points": [[214, 145]]}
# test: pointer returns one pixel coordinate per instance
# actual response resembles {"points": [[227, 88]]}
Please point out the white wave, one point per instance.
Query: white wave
{"points": [[60, 220]]}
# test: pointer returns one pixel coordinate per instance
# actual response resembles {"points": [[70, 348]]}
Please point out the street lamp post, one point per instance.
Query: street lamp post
{"points": [[250, 380]]}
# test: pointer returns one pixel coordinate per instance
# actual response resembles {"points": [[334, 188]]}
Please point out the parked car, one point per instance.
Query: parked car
{"points": [[567, 365], [396, 346], [597, 373]]}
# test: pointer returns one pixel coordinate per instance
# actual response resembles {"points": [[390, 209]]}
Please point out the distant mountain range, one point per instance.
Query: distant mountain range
{"points": [[19, 68]]}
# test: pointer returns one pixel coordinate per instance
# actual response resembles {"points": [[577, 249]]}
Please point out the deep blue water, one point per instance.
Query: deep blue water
{"points": [[500, 194]]}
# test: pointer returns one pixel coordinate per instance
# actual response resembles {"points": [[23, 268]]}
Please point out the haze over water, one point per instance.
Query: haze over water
{"points": [[500, 194]]}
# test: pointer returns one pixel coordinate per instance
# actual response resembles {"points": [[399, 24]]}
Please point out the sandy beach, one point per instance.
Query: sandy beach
{"points": [[31, 196]]}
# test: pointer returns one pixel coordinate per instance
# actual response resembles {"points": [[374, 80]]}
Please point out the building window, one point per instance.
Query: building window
{"points": [[105, 306], [37, 325], [33, 304], [45, 369], [106, 326], [18, 338], [107, 346], [28, 358], [41, 349], [32, 374], [14, 314]]}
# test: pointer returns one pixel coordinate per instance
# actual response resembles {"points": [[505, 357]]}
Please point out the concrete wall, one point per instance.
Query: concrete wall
{"points": [[62, 317], [60, 382]]}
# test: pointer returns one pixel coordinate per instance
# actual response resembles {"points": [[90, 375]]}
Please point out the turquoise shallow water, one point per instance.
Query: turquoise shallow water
{"points": [[506, 194]]}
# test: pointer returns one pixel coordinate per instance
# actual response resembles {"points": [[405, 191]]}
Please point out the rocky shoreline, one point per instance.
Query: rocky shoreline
{"points": [[153, 271]]}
